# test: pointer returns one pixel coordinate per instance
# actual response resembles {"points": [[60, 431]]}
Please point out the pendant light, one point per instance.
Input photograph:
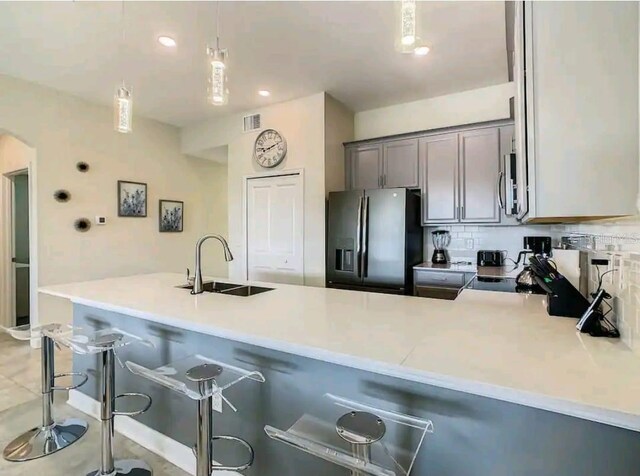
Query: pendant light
{"points": [[218, 93], [408, 26], [409, 42], [123, 99]]}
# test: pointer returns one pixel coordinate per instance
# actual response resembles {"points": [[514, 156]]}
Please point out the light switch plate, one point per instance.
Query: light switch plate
{"points": [[101, 220], [469, 243]]}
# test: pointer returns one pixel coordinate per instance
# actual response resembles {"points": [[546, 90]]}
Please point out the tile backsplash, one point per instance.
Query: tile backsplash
{"points": [[466, 240]]}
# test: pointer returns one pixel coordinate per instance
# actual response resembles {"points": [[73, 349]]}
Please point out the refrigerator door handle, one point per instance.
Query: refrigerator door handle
{"points": [[365, 237], [359, 240]]}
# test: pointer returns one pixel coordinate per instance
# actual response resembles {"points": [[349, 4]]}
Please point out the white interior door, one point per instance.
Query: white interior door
{"points": [[275, 229]]}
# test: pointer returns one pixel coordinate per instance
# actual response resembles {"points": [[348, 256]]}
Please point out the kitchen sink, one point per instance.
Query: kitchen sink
{"points": [[229, 288], [247, 291], [213, 287]]}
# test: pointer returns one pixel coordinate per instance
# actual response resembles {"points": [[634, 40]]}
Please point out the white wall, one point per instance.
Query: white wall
{"points": [[301, 122], [64, 130], [467, 107]]}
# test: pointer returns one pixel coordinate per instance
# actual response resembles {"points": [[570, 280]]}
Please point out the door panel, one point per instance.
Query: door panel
{"points": [[343, 237], [366, 165], [21, 246], [439, 181], [384, 237], [479, 169], [275, 229], [401, 164]]}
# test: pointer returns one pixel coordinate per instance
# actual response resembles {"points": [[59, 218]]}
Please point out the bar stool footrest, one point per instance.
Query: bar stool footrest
{"points": [[84, 376], [242, 442], [136, 412]]}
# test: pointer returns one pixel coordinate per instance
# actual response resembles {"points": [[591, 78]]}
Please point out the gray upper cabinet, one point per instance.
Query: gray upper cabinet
{"points": [[400, 164], [364, 167], [576, 109], [479, 174], [439, 178], [458, 171]]}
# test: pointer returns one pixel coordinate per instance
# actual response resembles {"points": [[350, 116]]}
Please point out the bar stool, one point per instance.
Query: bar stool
{"points": [[50, 436], [203, 379], [361, 438], [105, 342]]}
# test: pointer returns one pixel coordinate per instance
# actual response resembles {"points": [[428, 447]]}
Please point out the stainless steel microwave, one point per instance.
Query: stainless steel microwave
{"points": [[508, 185]]}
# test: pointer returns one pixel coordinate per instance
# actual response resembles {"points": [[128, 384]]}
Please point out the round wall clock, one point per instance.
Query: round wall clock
{"points": [[270, 148]]}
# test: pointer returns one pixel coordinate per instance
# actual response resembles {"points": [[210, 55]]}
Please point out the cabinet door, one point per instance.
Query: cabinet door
{"points": [[479, 170], [400, 165], [365, 167], [439, 178]]}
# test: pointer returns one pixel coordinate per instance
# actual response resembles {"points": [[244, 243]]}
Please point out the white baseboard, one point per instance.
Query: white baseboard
{"points": [[173, 451]]}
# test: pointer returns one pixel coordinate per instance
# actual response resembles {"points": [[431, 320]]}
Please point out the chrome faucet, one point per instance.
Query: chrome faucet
{"points": [[197, 283]]}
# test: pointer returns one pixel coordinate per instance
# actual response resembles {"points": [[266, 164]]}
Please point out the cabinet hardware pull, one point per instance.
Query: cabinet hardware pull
{"points": [[499, 190]]}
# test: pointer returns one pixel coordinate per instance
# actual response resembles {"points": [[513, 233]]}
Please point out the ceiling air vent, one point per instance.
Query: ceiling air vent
{"points": [[251, 123]]}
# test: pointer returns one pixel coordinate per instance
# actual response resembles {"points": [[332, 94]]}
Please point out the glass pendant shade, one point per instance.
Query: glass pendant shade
{"points": [[123, 110], [218, 92], [408, 26]]}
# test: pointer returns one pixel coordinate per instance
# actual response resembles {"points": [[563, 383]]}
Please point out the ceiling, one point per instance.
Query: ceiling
{"points": [[293, 49]]}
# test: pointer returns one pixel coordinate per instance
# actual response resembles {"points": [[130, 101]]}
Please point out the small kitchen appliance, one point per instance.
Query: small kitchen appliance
{"points": [[441, 239], [540, 245], [491, 258]]}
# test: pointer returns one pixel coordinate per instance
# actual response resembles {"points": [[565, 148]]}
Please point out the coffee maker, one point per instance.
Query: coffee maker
{"points": [[441, 239]]}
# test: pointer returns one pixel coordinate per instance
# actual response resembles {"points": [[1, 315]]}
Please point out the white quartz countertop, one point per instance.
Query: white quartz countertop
{"points": [[499, 345]]}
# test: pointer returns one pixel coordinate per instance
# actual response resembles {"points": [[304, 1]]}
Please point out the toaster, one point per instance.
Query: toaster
{"points": [[491, 258]]}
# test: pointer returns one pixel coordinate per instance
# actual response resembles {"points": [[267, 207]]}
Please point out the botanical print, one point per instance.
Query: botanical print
{"points": [[132, 199], [171, 213]]}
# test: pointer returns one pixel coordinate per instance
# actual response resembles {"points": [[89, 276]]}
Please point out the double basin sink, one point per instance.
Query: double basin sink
{"points": [[243, 290]]}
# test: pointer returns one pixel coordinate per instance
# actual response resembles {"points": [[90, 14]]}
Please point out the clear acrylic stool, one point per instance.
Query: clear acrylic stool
{"points": [[361, 438], [50, 436], [105, 342], [203, 379]]}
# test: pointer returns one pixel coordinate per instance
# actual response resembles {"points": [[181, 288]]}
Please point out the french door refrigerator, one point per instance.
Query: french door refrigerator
{"points": [[374, 238]]}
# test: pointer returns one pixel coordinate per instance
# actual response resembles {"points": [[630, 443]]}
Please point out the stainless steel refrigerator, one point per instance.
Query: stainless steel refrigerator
{"points": [[374, 238]]}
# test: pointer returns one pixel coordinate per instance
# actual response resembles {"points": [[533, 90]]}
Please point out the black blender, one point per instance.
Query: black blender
{"points": [[441, 239]]}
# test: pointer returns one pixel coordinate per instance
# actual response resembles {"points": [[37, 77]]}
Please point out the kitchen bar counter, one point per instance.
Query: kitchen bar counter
{"points": [[498, 345]]}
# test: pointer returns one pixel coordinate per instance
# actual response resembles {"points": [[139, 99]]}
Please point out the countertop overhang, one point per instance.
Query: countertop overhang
{"points": [[498, 345]]}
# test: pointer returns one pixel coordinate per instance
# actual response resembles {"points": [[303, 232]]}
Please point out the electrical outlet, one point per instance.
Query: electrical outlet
{"points": [[469, 243]]}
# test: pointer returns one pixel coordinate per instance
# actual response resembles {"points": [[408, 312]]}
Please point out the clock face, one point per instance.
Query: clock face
{"points": [[270, 148]]}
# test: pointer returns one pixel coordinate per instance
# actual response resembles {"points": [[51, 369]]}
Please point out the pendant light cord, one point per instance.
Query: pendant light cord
{"points": [[217, 25], [122, 40]]}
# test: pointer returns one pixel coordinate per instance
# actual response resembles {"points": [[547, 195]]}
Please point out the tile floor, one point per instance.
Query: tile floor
{"points": [[20, 410]]}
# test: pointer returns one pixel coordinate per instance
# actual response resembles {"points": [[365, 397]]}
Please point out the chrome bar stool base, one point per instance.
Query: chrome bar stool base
{"points": [[43, 441], [50, 436], [126, 467]]}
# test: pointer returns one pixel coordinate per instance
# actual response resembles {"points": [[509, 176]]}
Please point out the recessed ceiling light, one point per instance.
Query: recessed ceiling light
{"points": [[167, 41], [264, 93], [421, 51]]}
